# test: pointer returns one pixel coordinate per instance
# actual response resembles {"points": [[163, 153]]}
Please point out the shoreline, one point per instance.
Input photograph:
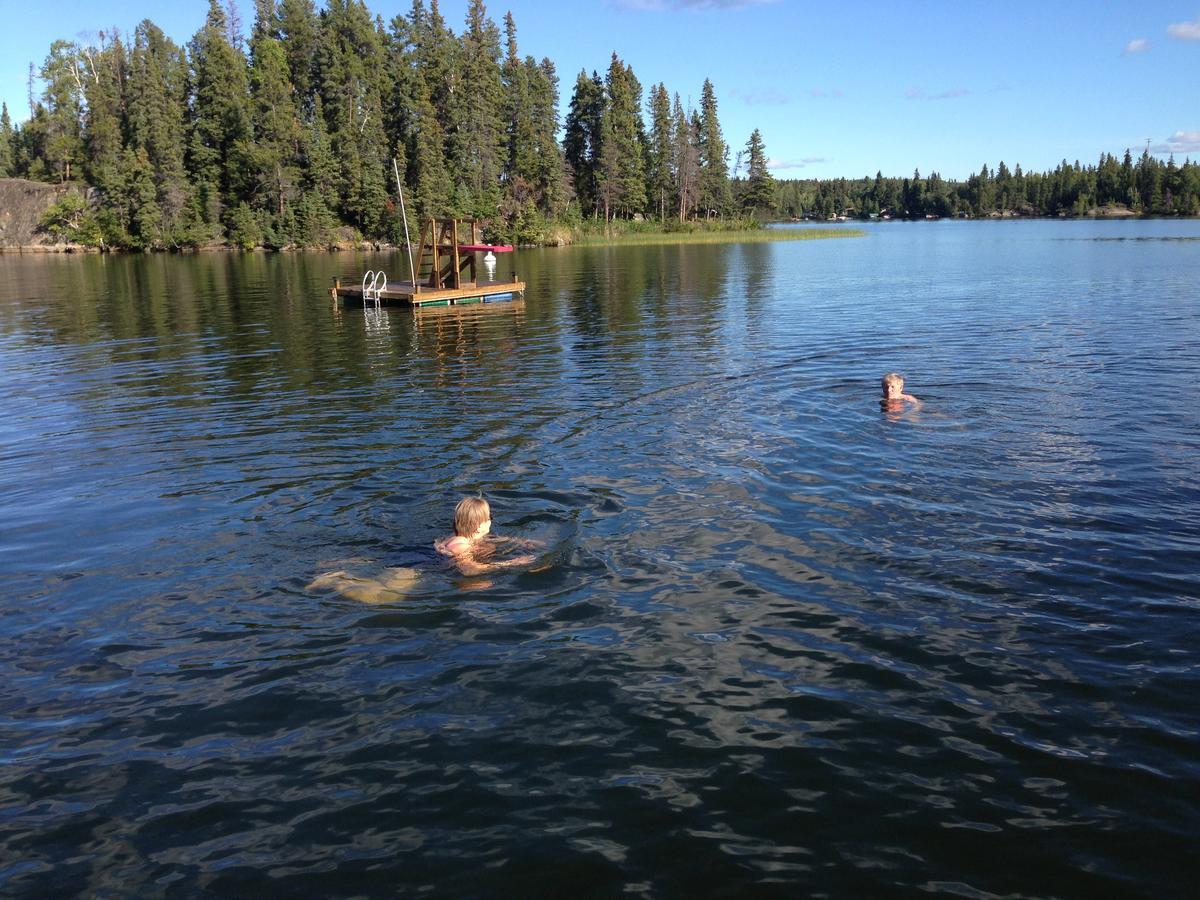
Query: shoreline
{"points": [[1095, 216], [638, 238], [818, 229]]}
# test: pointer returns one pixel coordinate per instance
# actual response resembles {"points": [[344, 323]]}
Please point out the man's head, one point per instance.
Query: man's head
{"points": [[893, 386]]}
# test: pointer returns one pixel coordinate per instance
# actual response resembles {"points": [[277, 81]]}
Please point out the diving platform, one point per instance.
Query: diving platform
{"points": [[446, 274]]}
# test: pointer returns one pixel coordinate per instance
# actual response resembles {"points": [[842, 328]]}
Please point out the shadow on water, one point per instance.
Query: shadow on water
{"points": [[778, 640]]}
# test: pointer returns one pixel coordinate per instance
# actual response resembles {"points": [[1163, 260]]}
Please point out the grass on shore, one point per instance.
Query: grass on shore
{"points": [[753, 236]]}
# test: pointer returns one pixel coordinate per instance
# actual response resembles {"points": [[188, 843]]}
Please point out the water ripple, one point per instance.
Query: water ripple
{"points": [[787, 641]]}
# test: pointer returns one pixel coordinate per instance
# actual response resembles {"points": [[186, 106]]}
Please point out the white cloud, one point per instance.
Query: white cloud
{"points": [[1180, 142], [795, 163], [819, 94], [1137, 45], [916, 93], [1185, 31]]}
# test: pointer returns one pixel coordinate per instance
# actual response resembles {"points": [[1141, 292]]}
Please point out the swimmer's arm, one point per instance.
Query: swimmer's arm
{"points": [[911, 399], [468, 565]]}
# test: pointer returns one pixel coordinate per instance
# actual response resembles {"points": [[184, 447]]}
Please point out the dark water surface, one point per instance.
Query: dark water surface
{"points": [[788, 644]]}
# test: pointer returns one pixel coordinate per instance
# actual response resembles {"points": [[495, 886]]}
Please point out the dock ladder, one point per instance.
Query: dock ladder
{"points": [[373, 286]]}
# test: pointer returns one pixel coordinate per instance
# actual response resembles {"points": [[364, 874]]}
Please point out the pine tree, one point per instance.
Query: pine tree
{"points": [[935, 193], [106, 74], [6, 142], [1171, 185], [1108, 180], [438, 60], [155, 116], [298, 27], [914, 195], [1004, 187], [425, 59], [352, 70], [622, 169], [319, 164], [220, 116], [401, 50], [315, 221], [982, 192], [760, 186], [519, 127], [583, 139], [661, 156], [547, 169], [275, 146], [715, 197], [477, 142], [62, 99], [28, 146], [350, 67], [1129, 193], [1149, 182], [132, 199], [266, 21], [430, 180], [687, 158]]}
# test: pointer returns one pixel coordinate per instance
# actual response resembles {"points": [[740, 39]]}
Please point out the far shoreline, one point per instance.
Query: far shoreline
{"points": [[792, 230]]}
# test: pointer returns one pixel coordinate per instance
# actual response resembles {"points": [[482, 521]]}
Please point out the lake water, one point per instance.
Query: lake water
{"points": [[787, 644]]}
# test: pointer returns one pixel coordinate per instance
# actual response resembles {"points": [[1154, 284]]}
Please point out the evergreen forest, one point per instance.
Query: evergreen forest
{"points": [[288, 137], [291, 134], [1146, 186]]}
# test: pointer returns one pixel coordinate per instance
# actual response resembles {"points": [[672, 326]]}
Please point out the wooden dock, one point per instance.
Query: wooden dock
{"points": [[446, 274], [404, 293]]}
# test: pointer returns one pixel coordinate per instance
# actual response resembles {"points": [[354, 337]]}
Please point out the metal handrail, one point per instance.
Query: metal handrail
{"points": [[378, 286], [373, 286]]}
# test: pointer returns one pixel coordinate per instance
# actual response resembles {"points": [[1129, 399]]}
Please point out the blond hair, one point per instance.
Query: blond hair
{"points": [[470, 513], [892, 378]]}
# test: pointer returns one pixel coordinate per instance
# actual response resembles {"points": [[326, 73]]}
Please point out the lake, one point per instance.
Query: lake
{"points": [[782, 643]]}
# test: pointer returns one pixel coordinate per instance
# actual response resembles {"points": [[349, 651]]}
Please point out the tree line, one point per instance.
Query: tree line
{"points": [[1147, 186], [289, 137]]}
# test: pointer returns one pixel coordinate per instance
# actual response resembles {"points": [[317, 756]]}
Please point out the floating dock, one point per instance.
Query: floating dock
{"points": [[445, 276], [422, 295]]}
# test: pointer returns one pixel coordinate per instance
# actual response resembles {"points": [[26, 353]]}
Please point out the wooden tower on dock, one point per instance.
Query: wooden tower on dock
{"points": [[448, 249]]}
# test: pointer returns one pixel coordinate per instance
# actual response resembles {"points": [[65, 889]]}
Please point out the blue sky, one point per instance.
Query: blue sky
{"points": [[836, 89]]}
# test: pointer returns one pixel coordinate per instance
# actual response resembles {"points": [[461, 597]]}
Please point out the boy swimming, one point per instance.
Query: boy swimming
{"points": [[893, 393], [467, 547], [469, 550]]}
